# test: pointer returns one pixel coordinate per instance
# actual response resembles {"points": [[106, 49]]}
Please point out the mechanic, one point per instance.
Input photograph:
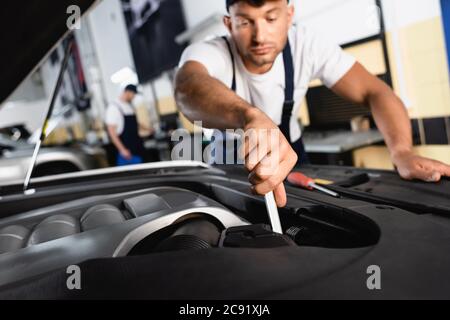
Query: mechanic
{"points": [[123, 128], [256, 77]]}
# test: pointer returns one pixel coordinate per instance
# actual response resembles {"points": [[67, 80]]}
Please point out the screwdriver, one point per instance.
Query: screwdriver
{"points": [[300, 180], [273, 212]]}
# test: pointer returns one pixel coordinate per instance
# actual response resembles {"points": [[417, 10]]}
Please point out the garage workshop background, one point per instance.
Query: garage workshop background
{"points": [[409, 48]]}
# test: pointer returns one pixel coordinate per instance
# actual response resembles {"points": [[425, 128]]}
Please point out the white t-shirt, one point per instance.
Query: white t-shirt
{"points": [[116, 118], [313, 59]]}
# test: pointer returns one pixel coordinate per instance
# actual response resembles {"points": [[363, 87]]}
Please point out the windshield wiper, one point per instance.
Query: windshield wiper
{"points": [[44, 129]]}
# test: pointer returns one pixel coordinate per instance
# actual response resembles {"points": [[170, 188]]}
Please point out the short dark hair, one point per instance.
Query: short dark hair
{"points": [[254, 3], [131, 88]]}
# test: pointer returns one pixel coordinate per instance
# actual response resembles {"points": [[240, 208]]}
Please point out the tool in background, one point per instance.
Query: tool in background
{"points": [[273, 213], [300, 180]]}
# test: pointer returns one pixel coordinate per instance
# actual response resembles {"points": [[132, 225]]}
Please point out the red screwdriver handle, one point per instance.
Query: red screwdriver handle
{"points": [[300, 180]]}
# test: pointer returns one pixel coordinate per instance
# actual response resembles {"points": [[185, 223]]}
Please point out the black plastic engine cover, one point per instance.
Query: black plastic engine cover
{"points": [[253, 236]]}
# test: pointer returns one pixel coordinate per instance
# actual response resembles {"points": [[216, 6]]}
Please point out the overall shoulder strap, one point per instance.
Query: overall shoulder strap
{"points": [[119, 107], [233, 83], [288, 73], [288, 105]]}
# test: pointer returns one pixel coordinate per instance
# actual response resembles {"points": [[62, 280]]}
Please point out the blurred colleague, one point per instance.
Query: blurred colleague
{"points": [[123, 128]]}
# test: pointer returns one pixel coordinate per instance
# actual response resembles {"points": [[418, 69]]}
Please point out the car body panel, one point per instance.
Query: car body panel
{"points": [[15, 161]]}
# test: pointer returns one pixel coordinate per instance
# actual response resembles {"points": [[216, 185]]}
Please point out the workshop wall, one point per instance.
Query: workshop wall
{"points": [[418, 58], [426, 80], [419, 68], [110, 40], [417, 53], [415, 29]]}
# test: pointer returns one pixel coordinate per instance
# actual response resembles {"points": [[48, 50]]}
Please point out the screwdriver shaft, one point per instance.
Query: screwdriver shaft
{"points": [[325, 190], [273, 213]]}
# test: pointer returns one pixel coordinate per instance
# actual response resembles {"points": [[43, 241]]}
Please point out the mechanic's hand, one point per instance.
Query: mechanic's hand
{"points": [[411, 166], [268, 156], [126, 154]]}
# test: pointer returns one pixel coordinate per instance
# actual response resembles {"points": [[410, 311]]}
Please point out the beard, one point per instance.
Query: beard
{"points": [[261, 60]]}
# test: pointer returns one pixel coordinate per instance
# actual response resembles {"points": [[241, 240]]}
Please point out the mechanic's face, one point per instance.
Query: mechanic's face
{"points": [[260, 33], [128, 96]]}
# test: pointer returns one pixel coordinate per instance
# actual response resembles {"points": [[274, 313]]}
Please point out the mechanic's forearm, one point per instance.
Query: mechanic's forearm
{"points": [[392, 119], [204, 98], [116, 140]]}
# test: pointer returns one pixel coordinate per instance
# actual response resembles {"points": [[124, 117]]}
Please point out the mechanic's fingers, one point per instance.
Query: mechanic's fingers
{"points": [[267, 168], [270, 183], [280, 195], [259, 144], [436, 177], [422, 173], [267, 185], [254, 178], [257, 154], [443, 169], [249, 143], [431, 171]]}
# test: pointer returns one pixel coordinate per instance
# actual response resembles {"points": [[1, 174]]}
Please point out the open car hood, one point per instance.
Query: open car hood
{"points": [[29, 32]]}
